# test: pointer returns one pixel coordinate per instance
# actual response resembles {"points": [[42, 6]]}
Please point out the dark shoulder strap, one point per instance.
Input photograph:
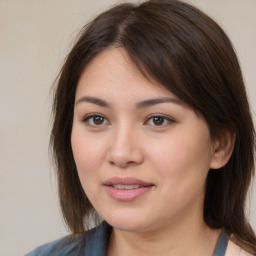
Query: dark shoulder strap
{"points": [[221, 246]]}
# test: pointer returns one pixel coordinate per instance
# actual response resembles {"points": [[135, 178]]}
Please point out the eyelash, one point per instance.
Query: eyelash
{"points": [[90, 117], [167, 120], [164, 119]]}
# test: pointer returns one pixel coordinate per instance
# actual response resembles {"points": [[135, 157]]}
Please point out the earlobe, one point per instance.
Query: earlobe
{"points": [[222, 148]]}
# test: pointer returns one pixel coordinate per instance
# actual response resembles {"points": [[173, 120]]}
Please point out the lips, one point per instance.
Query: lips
{"points": [[126, 189], [126, 181]]}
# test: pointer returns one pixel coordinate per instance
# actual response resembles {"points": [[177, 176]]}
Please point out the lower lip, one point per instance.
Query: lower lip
{"points": [[126, 195]]}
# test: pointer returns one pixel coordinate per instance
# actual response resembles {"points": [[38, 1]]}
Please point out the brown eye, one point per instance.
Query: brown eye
{"points": [[98, 120], [158, 120], [95, 120]]}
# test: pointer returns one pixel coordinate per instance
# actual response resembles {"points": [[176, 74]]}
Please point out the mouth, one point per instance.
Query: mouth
{"points": [[126, 189]]}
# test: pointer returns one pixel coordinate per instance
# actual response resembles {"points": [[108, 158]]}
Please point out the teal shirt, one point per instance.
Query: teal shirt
{"points": [[94, 243]]}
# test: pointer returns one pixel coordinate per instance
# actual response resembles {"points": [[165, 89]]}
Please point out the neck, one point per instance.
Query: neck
{"points": [[190, 237]]}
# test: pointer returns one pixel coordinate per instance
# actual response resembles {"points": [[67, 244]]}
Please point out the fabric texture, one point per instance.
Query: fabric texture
{"points": [[92, 243], [221, 246], [95, 241]]}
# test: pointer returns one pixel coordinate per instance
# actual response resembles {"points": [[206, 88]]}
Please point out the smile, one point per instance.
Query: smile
{"points": [[126, 189]]}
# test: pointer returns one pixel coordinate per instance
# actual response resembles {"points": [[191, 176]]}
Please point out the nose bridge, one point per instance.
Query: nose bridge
{"points": [[124, 149]]}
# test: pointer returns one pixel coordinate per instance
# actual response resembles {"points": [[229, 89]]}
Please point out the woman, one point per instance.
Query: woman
{"points": [[153, 137]]}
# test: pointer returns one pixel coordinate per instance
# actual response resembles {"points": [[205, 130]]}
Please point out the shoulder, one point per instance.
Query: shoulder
{"points": [[64, 246], [235, 250], [92, 242]]}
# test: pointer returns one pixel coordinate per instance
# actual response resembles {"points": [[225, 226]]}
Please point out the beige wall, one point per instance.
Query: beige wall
{"points": [[34, 38]]}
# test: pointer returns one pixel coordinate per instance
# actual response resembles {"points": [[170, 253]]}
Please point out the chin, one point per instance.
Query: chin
{"points": [[128, 226], [128, 222]]}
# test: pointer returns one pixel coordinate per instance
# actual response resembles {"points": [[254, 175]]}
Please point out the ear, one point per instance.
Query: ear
{"points": [[222, 148]]}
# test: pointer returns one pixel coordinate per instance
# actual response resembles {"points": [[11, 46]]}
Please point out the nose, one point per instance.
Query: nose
{"points": [[125, 149]]}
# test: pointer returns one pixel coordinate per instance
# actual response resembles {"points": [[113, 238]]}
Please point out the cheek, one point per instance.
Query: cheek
{"points": [[87, 153], [183, 161]]}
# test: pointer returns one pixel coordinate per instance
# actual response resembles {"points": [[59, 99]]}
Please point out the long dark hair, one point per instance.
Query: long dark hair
{"points": [[179, 46]]}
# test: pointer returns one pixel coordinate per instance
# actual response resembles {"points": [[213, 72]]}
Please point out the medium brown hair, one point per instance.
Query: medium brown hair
{"points": [[179, 46]]}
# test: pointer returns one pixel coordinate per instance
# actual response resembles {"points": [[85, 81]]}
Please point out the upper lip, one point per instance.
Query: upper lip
{"points": [[126, 181]]}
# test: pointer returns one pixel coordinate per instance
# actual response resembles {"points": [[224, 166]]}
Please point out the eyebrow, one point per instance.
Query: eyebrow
{"points": [[151, 102], [139, 105], [94, 100]]}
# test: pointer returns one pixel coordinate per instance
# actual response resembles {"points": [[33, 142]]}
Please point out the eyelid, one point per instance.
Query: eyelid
{"points": [[165, 117], [91, 115]]}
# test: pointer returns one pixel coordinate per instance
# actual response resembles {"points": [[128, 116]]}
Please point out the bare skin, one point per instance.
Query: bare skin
{"points": [[188, 239], [126, 127]]}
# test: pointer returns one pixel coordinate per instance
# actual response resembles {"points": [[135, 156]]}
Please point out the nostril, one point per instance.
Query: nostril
{"points": [[121, 163], [124, 154]]}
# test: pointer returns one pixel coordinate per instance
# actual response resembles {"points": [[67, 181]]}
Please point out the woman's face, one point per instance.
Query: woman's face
{"points": [[142, 155]]}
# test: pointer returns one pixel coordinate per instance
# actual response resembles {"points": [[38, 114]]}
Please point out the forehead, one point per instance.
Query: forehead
{"points": [[113, 72]]}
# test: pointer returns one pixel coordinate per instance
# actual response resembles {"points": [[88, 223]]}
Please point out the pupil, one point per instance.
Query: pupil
{"points": [[158, 120], [98, 120]]}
